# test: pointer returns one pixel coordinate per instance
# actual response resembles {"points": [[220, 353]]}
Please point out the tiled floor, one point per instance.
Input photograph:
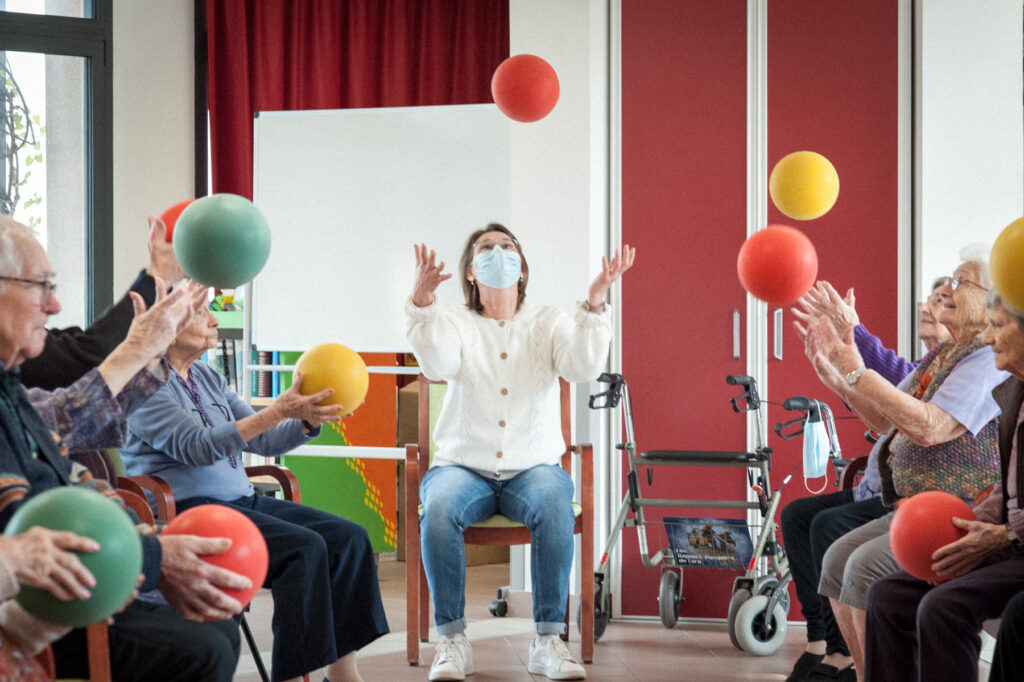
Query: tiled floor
{"points": [[629, 650]]}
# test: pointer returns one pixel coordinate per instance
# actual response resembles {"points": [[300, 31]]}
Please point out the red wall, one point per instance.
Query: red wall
{"points": [[831, 88]]}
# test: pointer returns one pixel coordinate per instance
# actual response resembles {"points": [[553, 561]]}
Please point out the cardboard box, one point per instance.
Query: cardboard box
{"points": [[408, 431]]}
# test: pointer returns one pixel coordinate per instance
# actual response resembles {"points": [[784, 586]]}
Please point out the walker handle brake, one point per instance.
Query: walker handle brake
{"points": [[611, 397]]}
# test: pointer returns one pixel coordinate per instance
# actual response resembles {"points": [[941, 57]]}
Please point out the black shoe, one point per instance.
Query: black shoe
{"points": [[803, 666], [823, 672]]}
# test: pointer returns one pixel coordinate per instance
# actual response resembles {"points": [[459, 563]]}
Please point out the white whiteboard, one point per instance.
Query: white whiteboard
{"points": [[347, 193]]}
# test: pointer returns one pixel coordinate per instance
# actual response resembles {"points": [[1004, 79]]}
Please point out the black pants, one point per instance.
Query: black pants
{"points": [[809, 525], [323, 578], [1008, 660], [919, 632], [153, 643]]}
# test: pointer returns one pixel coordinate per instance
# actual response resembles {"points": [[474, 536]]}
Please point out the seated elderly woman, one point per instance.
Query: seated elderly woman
{"points": [[148, 641], [322, 572], [918, 631], [941, 434], [811, 524]]}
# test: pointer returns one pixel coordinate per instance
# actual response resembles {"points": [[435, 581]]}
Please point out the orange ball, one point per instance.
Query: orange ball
{"points": [[332, 365], [248, 552], [525, 88], [778, 264], [923, 523], [170, 217]]}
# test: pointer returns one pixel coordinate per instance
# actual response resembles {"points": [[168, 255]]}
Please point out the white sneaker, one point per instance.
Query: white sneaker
{"points": [[549, 656], [453, 659]]}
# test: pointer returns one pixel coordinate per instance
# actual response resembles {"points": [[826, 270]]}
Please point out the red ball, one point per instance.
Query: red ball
{"points": [[923, 523], [248, 552], [777, 264], [525, 88], [170, 217]]}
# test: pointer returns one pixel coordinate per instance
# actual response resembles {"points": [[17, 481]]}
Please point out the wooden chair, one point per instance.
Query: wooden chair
{"points": [[497, 530], [160, 492]]}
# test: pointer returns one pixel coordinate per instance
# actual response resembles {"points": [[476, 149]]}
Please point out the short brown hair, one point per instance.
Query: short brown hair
{"points": [[466, 263]]}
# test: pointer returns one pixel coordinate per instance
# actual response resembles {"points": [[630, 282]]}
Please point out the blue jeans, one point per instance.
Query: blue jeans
{"points": [[455, 498]]}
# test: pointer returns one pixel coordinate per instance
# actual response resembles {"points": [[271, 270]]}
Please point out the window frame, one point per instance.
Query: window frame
{"points": [[91, 39]]}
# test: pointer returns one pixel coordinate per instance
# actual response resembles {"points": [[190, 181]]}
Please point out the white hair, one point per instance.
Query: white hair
{"points": [[13, 236], [978, 253]]}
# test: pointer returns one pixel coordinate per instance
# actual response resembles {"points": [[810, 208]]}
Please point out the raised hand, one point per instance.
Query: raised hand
{"points": [[611, 271], [162, 262], [429, 276], [823, 299]]}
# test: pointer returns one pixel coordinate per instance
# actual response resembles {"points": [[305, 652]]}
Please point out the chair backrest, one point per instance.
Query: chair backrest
{"points": [[428, 410]]}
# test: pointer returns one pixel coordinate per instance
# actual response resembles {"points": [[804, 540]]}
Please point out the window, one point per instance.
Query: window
{"points": [[56, 141]]}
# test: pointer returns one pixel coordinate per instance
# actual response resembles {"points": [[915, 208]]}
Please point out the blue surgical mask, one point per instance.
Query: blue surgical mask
{"points": [[816, 451], [498, 268]]}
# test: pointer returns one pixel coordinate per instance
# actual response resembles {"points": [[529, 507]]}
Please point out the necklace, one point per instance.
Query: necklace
{"points": [[193, 393]]}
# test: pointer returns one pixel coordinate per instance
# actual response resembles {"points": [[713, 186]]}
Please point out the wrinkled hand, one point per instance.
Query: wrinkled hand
{"points": [[192, 586], [153, 330], [823, 299], [832, 357], [293, 405], [963, 555], [429, 276], [162, 262], [611, 271], [47, 559]]}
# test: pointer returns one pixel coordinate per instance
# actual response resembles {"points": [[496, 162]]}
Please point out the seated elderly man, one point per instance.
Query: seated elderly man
{"points": [[148, 641], [919, 631]]}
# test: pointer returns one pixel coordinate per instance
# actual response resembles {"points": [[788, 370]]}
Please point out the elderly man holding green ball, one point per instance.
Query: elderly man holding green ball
{"points": [[148, 641]]}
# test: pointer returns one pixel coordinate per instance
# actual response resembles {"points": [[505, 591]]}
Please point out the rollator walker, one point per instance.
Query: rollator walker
{"points": [[760, 598]]}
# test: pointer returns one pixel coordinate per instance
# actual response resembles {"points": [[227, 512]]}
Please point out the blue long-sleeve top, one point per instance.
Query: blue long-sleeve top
{"points": [[167, 437], [883, 360]]}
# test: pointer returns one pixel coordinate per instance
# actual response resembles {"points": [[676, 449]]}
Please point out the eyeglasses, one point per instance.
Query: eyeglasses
{"points": [[956, 282], [46, 285]]}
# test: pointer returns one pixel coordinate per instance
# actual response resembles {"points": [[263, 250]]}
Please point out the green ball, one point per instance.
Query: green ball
{"points": [[115, 565], [221, 240]]}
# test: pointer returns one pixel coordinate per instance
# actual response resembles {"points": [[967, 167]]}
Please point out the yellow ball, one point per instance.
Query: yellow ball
{"points": [[804, 185], [332, 365], [1007, 264]]}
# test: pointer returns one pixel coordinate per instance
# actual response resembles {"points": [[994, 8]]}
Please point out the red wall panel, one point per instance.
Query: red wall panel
{"points": [[832, 88], [684, 208]]}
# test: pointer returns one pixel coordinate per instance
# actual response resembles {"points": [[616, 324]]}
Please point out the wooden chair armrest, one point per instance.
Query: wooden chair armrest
{"points": [[283, 475], [852, 470], [138, 504], [157, 487]]}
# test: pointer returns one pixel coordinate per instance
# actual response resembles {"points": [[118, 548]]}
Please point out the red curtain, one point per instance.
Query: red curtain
{"points": [[274, 55]]}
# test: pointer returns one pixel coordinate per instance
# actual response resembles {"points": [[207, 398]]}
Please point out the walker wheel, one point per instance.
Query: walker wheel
{"points": [[602, 610], [739, 597], [499, 608], [668, 599], [758, 632]]}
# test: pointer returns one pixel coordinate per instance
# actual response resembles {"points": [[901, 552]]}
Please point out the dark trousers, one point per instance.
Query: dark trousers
{"points": [[919, 632], [153, 643], [1008, 660], [809, 525], [323, 579]]}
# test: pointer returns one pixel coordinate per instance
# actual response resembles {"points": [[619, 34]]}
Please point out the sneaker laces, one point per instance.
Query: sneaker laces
{"points": [[447, 650], [555, 648]]}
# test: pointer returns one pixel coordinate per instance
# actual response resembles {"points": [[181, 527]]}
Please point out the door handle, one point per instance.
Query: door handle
{"points": [[736, 333], [777, 352]]}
